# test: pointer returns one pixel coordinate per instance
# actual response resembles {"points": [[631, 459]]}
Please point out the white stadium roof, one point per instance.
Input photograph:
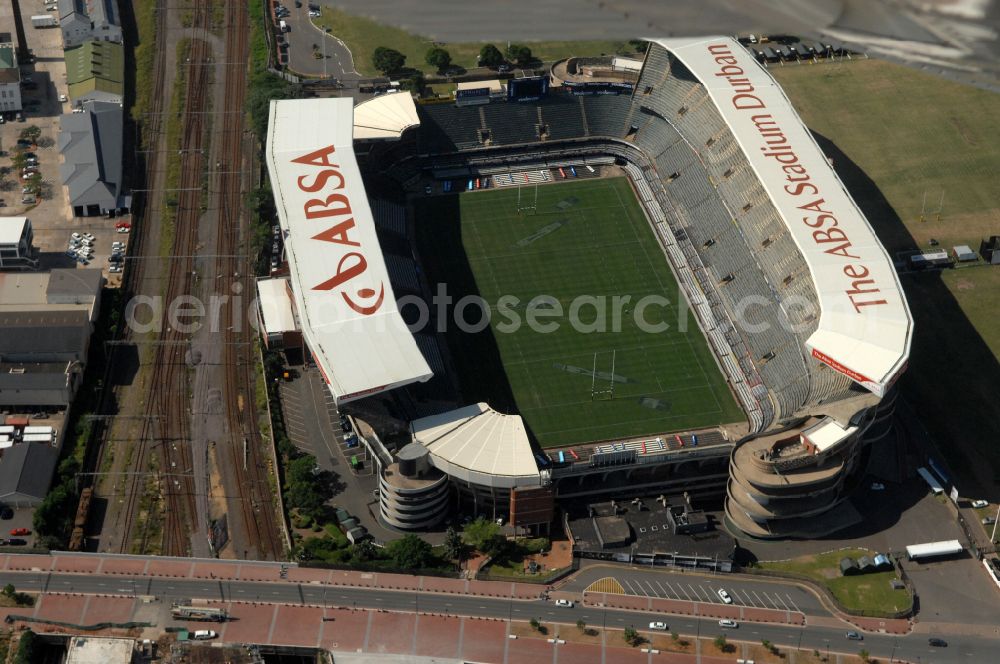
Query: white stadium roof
{"points": [[275, 305], [864, 324], [385, 117], [479, 445], [346, 306]]}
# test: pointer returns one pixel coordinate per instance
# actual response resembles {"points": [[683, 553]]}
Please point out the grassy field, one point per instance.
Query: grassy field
{"points": [[363, 36], [586, 238], [865, 592], [896, 134]]}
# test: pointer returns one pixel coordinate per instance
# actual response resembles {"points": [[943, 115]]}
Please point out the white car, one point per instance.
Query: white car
{"points": [[658, 626], [122, 229], [724, 596], [117, 245], [115, 267], [89, 236], [76, 236], [878, 486], [565, 603], [980, 503], [313, 14], [202, 634], [726, 622], [62, 97]]}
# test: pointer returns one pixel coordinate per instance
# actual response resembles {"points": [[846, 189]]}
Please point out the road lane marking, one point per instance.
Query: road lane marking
{"points": [[745, 598], [684, 591], [794, 605], [652, 589], [782, 602], [759, 599]]}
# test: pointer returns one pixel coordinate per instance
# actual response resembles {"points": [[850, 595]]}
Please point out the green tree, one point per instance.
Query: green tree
{"points": [[675, 637], [8, 590], [388, 60], [490, 56], [453, 546], [721, 643], [519, 53], [631, 636], [410, 552], [32, 133], [483, 534], [638, 44], [535, 625], [438, 57], [27, 648], [864, 655], [54, 515], [363, 551], [581, 625]]}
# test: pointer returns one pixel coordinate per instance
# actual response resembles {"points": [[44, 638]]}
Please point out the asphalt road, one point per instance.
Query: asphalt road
{"points": [[912, 648], [337, 61]]}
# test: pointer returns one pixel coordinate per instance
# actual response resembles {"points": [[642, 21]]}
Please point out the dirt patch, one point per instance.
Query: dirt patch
{"points": [[666, 642], [572, 634], [524, 630]]}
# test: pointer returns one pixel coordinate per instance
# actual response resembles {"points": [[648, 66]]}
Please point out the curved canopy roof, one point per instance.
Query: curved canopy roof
{"points": [[479, 445], [384, 117], [865, 325]]}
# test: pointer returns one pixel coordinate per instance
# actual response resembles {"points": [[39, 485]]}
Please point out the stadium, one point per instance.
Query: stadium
{"points": [[697, 182]]}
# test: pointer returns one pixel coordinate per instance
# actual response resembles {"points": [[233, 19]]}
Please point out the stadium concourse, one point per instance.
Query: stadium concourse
{"points": [[797, 299]]}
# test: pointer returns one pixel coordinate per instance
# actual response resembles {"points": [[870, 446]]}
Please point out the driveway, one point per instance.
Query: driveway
{"points": [[336, 60], [312, 423]]}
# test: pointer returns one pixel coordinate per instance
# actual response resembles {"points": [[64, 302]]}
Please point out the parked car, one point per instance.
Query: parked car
{"points": [[877, 486], [565, 603], [6, 513], [731, 624], [89, 236], [980, 503], [14, 541], [20, 531], [115, 268], [724, 596], [314, 14], [203, 634], [989, 520]]}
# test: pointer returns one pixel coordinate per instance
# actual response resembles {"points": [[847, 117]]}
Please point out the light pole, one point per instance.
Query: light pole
{"points": [[995, 522], [895, 642]]}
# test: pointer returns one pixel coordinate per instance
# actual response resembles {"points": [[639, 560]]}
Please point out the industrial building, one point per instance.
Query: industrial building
{"points": [[83, 20], [95, 70], [10, 80], [17, 250], [90, 140], [47, 319]]}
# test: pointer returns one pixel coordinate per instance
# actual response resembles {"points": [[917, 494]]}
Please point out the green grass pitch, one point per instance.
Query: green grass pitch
{"points": [[585, 238]]}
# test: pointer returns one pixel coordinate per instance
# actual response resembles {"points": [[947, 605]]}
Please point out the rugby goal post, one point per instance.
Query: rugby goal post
{"points": [[527, 203]]}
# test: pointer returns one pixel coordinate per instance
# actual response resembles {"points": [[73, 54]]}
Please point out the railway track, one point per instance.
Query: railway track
{"points": [[164, 434], [257, 505], [165, 428]]}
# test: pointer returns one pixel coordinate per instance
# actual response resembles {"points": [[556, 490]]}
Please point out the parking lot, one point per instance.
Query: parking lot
{"points": [[699, 590], [312, 424], [50, 213]]}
